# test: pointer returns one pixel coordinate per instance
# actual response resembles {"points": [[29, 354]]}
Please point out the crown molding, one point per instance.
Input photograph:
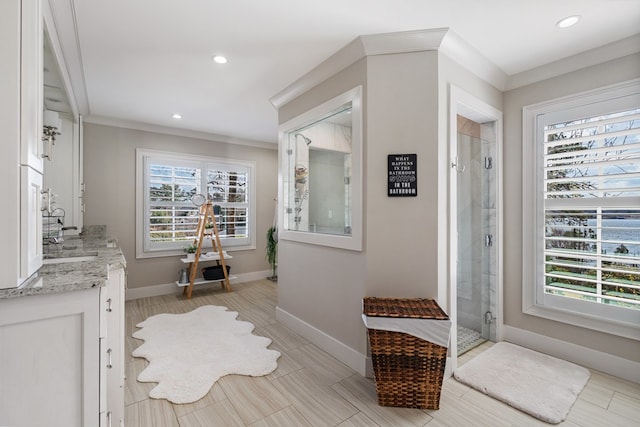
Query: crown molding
{"points": [[451, 44], [166, 130], [404, 41], [337, 62], [599, 55], [456, 48], [438, 39]]}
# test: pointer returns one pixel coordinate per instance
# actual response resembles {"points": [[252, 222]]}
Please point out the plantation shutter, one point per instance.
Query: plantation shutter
{"points": [[171, 217], [227, 186], [591, 191]]}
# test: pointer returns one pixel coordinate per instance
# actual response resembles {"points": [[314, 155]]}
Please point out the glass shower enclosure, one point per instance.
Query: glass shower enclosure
{"points": [[476, 229]]}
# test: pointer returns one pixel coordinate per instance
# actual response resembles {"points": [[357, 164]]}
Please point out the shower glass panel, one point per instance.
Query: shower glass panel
{"points": [[319, 175], [329, 213], [476, 217]]}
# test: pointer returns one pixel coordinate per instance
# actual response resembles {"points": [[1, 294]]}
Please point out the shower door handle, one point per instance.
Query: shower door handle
{"points": [[455, 164], [488, 240]]}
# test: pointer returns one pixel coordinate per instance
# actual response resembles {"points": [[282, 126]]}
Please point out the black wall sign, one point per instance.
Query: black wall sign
{"points": [[402, 175]]}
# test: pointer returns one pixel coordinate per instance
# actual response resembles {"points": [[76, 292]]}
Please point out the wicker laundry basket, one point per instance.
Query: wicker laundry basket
{"points": [[408, 370]]}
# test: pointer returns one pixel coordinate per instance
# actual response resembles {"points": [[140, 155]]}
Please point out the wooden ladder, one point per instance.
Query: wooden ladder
{"points": [[207, 215]]}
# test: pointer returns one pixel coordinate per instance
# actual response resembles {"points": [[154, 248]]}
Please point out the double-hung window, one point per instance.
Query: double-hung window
{"points": [[166, 216], [582, 209]]}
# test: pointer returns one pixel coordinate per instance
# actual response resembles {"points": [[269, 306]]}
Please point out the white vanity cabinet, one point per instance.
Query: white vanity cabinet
{"points": [[21, 164], [62, 357]]}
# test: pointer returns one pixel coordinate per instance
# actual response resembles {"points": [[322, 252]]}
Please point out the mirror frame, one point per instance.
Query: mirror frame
{"points": [[353, 241]]}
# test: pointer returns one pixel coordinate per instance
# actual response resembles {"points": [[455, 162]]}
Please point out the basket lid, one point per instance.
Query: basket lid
{"points": [[416, 308]]}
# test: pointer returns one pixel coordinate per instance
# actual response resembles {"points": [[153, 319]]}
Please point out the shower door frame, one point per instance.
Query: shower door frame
{"points": [[463, 104]]}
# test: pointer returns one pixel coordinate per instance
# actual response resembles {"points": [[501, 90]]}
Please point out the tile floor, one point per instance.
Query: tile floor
{"points": [[468, 339], [311, 388]]}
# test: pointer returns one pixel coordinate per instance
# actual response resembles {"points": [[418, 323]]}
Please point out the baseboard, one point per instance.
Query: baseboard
{"points": [[347, 355], [587, 357], [172, 288]]}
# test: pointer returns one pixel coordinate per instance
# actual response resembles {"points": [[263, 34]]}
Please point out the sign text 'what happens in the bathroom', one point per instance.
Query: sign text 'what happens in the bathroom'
{"points": [[402, 175]]}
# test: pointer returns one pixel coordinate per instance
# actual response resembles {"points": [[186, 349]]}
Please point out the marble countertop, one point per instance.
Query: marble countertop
{"points": [[56, 277]]}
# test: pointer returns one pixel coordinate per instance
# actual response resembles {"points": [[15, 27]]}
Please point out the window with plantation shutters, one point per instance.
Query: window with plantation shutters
{"points": [[592, 208], [167, 218], [581, 209]]}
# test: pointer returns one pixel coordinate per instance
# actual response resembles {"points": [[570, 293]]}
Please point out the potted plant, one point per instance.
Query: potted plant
{"points": [[191, 251], [272, 251]]}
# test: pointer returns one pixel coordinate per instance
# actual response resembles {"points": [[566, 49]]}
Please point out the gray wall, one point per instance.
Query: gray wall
{"points": [[109, 174], [401, 232], [619, 70], [403, 113], [324, 286]]}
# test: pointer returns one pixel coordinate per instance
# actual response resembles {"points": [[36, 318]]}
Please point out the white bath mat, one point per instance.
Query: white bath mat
{"points": [[189, 352], [540, 385]]}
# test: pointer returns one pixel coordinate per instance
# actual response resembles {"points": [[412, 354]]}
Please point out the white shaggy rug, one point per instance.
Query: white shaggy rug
{"points": [[540, 385], [189, 352]]}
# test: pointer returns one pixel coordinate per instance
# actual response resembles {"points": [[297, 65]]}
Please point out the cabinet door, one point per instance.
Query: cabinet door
{"points": [[30, 222], [49, 354], [115, 346], [31, 86], [105, 363]]}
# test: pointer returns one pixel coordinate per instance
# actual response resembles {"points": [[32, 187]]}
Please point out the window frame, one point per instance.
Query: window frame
{"points": [[144, 247], [601, 317]]}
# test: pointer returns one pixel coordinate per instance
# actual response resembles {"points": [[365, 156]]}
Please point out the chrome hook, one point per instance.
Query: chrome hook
{"points": [[455, 165]]}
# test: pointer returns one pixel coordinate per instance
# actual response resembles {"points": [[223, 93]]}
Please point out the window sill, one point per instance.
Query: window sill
{"points": [[626, 330], [181, 253]]}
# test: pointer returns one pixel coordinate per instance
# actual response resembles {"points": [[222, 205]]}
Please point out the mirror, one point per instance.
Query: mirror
{"points": [[62, 153], [321, 182]]}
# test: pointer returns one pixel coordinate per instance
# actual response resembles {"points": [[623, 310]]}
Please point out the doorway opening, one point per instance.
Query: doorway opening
{"points": [[476, 223]]}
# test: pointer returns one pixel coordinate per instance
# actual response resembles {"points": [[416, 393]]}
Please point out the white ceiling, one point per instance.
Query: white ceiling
{"points": [[142, 60]]}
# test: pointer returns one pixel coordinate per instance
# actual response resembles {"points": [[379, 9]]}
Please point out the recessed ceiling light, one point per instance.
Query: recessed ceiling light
{"points": [[567, 22], [176, 116], [220, 59]]}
